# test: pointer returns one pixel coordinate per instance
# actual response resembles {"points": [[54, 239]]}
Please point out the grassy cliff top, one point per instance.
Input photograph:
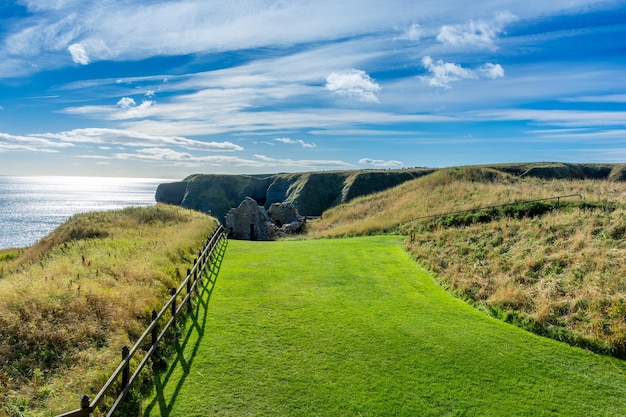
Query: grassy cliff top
{"points": [[71, 301]]}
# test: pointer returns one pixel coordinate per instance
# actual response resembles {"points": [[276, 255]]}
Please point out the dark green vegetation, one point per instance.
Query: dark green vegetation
{"points": [[353, 327], [315, 192], [70, 302]]}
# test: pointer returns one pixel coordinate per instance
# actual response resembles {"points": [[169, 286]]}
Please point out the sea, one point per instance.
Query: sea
{"points": [[32, 207]]}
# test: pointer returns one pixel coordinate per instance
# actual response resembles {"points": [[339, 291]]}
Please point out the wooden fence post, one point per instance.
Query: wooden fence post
{"points": [[84, 405], [189, 282], [172, 293], [125, 372], [154, 329]]}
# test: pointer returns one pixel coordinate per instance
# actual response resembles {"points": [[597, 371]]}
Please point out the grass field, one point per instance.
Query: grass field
{"points": [[353, 327]]}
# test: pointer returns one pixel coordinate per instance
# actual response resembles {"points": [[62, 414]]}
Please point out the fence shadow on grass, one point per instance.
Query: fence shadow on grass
{"points": [[184, 357]]}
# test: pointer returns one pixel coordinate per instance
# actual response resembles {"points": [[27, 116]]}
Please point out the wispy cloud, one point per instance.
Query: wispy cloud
{"points": [[12, 143], [444, 73], [560, 118], [296, 142], [379, 163], [413, 33], [88, 32], [608, 98], [353, 83], [582, 134], [166, 156], [137, 139], [479, 34], [312, 164]]}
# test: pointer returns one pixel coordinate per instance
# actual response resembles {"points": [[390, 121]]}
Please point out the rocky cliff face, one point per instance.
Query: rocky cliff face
{"points": [[311, 193]]}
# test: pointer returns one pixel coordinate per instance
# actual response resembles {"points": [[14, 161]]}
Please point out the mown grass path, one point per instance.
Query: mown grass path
{"points": [[353, 327]]}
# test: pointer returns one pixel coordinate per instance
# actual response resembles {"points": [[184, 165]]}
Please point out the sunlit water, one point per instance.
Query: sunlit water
{"points": [[31, 207]]}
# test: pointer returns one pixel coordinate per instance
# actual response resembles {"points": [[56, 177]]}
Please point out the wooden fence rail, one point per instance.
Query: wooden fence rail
{"points": [[188, 287]]}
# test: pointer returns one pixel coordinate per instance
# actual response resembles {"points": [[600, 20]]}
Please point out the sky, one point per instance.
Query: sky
{"points": [[166, 89]]}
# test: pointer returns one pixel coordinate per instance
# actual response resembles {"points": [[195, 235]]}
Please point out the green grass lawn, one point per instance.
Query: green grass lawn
{"points": [[353, 327]]}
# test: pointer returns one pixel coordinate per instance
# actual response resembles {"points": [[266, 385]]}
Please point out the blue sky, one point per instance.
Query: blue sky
{"points": [[167, 89]]}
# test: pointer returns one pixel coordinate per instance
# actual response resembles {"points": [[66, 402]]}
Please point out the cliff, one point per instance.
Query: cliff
{"points": [[312, 193]]}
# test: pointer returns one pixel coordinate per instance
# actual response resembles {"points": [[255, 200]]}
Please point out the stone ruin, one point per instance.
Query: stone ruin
{"points": [[250, 221]]}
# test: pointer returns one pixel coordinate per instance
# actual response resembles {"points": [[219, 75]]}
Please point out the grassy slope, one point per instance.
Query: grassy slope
{"points": [[561, 274], [354, 327], [448, 190], [70, 302]]}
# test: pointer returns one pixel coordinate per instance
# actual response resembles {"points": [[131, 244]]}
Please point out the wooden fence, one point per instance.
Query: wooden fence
{"points": [[187, 288]]}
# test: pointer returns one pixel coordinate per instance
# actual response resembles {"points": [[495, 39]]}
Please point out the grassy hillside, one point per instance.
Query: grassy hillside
{"points": [[353, 327], [70, 302], [445, 190], [560, 273]]}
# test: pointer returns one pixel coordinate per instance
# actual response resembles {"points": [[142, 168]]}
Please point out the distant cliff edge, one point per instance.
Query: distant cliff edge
{"points": [[312, 193]]}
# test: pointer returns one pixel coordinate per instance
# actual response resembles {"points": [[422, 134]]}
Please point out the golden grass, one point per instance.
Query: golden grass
{"points": [[447, 191], [70, 302], [564, 270]]}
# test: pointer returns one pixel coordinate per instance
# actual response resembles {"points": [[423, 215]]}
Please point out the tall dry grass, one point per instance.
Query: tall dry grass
{"points": [[561, 274], [70, 302], [444, 191]]}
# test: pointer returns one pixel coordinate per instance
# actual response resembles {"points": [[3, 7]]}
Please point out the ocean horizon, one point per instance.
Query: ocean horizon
{"points": [[32, 207]]}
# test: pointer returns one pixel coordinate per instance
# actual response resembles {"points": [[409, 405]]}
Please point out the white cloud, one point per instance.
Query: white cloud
{"points": [[302, 163], [481, 34], [29, 143], [131, 138], [353, 83], [146, 103], [79, 54], [169, 156], [131, 109], [183, 159], [126, 103], [378, 163], [296, 141], [492, 71], [444, 73]]}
